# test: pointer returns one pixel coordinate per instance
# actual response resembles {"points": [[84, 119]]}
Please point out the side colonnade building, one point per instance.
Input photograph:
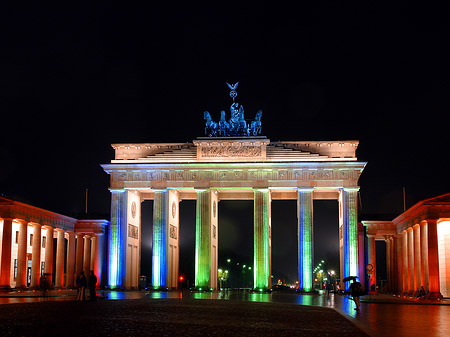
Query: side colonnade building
{"points": [[211, 169], [28, 245], [417, 248]]}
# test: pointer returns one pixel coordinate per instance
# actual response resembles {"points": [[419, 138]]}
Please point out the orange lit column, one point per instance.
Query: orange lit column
{"points": [[388, 264], [70, 269], [79, 252], [36, 257], [21, 280], [399, 263], [424, 254], [405, 261], [411, 288], [59, 276], [417, 276], [5, 274], [393, 273], [48, 267], [87, 255], [371, 254], [433, 260]]}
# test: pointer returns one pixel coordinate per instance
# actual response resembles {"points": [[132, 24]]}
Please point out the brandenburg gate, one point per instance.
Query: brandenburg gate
{"points": [[231, 163]]}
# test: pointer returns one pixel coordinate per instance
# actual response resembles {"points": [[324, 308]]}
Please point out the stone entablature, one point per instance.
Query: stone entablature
{"points": [[212, 150], [147, 176]]}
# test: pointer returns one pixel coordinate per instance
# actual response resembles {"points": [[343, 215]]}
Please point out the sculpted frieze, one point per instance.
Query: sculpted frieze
{"points": [[234, 150]]}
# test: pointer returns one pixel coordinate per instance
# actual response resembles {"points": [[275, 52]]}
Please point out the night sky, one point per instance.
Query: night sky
{"points": [[73, 80]]}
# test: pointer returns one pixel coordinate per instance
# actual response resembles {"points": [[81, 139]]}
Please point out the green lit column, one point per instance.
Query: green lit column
{"points": [[305, 238], [261, 243], [349, 209], [160, 239], [203, 239]]}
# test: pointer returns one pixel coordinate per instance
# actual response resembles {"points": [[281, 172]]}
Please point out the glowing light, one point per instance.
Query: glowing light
{"points": [[115, 238], [203, 239], [261, 272], [350, 232], [160, 227], [304, 200]]}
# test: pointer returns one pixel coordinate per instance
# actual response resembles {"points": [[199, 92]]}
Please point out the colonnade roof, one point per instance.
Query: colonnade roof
{"points": [[11, 209]]}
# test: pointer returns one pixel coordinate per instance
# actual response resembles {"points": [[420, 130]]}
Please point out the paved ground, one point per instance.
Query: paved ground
{"points": [[170, 317], [383, 315]]}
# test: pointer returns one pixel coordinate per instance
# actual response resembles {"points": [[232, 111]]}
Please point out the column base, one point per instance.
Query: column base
{"points": [[261, 290], [434, 296], [306, 292], [158, 288], [202, 289], [5, 288]]}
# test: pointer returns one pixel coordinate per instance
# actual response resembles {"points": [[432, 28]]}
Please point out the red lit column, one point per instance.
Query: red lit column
{"points": [[417, 273], [99, 258], [433, 260], [48, 267], [79, 252], [371, 253], [388, 264], [411, 287], [424, 254], [60, 242], [93, 252], [5, 274], [399, 263], [21, 279], [87, 255], [70, 269], [36, 257], [405, 261]]}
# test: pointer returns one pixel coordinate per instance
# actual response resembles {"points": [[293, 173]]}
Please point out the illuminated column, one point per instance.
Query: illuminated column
{"points": [[405, 261], [93, 252], [399, 263], [36, 256], [417, 272], [371, 254], [160, 239], [59, 273], [117, 239], [99, 258], [433, 260], [48, 267], [70, 269], [349, 209], [79, 255], [424, 254], [411, 288], [21, 279], [388, 264], [305, 238], [393, 252], [261, 243], [87, 255], [203, 240], [5, 275]]}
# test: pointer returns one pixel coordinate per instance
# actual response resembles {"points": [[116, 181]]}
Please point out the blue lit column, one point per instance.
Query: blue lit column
{"points": [[349, 209], [261, 242], [160, 239], [305, 238], [117, 239]]}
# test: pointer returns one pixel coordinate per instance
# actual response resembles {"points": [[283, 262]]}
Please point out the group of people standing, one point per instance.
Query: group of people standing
{"points": [[82, 283]]}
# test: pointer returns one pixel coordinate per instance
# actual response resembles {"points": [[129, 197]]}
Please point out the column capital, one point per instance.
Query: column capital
{"points": [[305, 189], [350, 189], [409, 229], [21, 221]]}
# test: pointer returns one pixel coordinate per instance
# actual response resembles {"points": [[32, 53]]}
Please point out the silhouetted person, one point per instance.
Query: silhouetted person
{"points": [[356, 290], [422, 292], [92, 282], [81, 286], [44, 285]]}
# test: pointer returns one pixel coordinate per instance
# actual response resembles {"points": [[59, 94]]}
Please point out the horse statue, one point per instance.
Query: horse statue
{"points": [[211, 126], [255, 126], [224, 126], [242, 124]]}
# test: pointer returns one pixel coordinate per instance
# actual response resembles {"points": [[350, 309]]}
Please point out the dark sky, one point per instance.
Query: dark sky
{"points": [[73, 80]]}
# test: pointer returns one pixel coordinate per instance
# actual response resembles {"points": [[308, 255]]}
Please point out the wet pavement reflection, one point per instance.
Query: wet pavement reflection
{"points": [[376, 319]]}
